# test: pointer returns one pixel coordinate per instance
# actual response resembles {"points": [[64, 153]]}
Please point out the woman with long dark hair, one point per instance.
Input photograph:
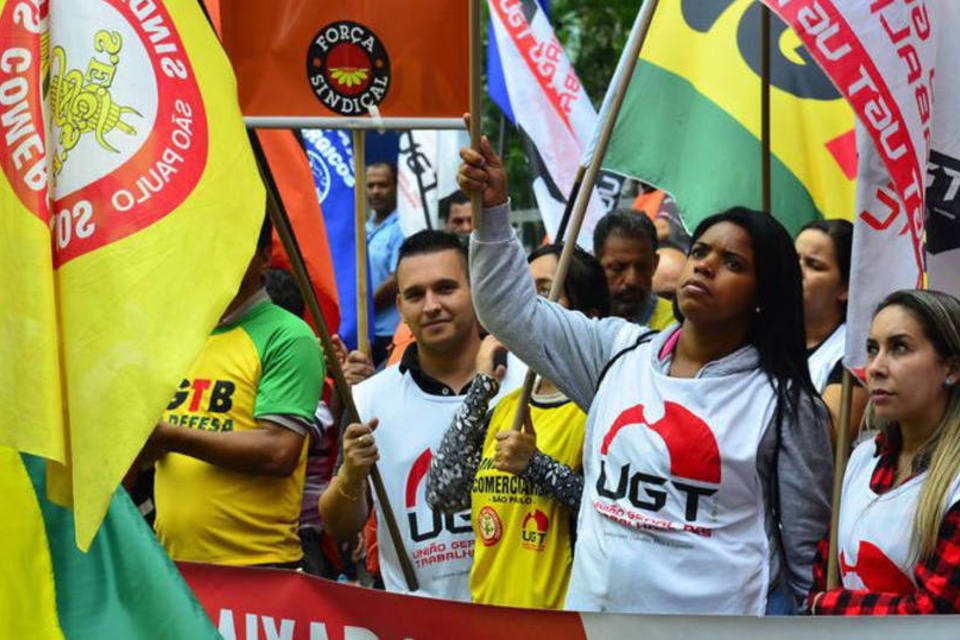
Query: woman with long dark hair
{"points": [[824, 248], [705, 483], [899, 528]]}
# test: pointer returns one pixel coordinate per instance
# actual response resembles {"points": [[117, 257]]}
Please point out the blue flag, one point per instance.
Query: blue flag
{"points": [[331, 159]]}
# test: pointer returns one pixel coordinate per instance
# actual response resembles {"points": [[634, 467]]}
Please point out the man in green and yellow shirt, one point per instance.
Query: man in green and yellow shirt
{"points": [[229, 484]]}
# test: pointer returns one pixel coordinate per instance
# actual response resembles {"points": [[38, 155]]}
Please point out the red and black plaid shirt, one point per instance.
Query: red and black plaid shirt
{"points": [[937, 578]]}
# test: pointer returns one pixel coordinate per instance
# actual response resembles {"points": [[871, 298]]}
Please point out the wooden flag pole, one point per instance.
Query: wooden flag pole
{"points": [[281, 222], [360, 233], [634, 47], [476, 93], [568, 209], [839, 468], [765, 156]]}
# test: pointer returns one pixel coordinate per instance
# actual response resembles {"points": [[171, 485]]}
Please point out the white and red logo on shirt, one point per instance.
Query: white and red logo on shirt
{"points": [[876, 571], [695, 470]]}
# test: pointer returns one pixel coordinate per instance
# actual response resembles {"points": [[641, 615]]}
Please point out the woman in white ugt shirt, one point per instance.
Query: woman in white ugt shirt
{"points": [[705, 473], [899, 529]]}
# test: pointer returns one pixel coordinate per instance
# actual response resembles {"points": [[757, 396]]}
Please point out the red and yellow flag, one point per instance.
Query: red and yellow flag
{"points": [[127, 231]]}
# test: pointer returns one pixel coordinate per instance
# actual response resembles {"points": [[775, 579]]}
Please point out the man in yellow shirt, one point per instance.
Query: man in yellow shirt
{"points": [[229, 482], [625, 243], [523, 489]]}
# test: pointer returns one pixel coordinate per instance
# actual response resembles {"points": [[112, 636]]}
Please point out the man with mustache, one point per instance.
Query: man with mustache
{"points": [[625, 243]]}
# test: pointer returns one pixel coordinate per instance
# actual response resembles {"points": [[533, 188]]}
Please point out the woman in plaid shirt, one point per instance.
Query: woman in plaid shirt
{"points": [[899, 532]]}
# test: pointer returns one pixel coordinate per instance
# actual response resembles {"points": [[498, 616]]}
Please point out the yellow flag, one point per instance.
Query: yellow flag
{"points": [[155, 207], [28, 608], [30, 401]]}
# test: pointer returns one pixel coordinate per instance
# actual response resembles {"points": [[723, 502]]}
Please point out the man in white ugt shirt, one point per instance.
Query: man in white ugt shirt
{"points": [[405, 411]]}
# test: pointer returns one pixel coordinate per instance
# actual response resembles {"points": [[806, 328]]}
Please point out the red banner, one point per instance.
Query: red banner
{"points": [[250, 604]]}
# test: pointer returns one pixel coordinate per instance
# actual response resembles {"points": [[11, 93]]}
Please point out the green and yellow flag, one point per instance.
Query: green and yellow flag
{"points": [[131, 205], [690, 122], [124, 586]]}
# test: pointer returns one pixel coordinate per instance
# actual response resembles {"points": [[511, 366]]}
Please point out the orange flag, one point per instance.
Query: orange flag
{"points": [[340, 57], [294, 179]]}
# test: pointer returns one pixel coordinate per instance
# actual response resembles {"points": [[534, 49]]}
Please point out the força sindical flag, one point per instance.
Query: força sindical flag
{"points": [[340, 58], [690, 122], [131, 209]]}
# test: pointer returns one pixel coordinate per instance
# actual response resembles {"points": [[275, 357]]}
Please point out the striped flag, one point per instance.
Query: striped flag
{"points": [[151, 211], [690, 121], [550, 108]]}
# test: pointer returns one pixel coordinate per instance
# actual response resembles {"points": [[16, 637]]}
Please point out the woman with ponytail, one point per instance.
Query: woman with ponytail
{"points": [[899, 531]]}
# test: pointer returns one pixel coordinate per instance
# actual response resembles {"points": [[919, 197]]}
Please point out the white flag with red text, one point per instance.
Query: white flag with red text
{"points": [[552, 110], [882, 55]]}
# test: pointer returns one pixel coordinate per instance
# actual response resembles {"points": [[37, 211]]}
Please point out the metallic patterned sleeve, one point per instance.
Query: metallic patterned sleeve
{"points": [[559, 481], [454, 466]]}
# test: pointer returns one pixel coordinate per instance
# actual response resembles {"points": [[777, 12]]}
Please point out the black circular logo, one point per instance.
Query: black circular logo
{"points": [[348, 68]]}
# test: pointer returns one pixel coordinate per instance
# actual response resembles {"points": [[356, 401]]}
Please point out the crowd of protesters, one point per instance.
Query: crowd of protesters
{"points": [[677, 452]]}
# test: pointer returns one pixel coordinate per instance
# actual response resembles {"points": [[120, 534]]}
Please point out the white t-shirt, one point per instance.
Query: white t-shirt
{"points": [[875, 530], [822, 361], [672, 517], [412, 424]]}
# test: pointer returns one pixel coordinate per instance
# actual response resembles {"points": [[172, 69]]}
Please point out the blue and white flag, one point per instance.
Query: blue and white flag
{"points": [[549, 106], [331, 159]]}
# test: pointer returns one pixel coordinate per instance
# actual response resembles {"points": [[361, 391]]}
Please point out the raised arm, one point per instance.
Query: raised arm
{"points": [[562, 345]]}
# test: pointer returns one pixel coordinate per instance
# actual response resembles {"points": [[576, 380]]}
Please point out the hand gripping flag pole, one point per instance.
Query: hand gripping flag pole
{"points": [[281, 223], [634, 45]]}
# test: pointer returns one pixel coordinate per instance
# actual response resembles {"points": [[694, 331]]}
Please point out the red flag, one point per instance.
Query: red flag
{"points": [[292, 175]]}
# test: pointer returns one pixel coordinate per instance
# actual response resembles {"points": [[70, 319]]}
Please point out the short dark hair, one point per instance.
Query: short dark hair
{"points": [[283, 291], [457, 197], [585, 285], [388, 165], [433, 241], [266, 234], [841, 234], [625, 223]]}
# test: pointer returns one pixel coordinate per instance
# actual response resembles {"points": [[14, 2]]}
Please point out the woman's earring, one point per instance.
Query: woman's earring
{"points": [[948, 382]]}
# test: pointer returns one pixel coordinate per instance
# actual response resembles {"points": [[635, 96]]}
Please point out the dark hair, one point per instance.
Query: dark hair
{"points": [[388, 165], [283, 290], [625, 223], [778, 331], [841, 234], [266, 234], [433, 241], [585, 285], [457, 197]]}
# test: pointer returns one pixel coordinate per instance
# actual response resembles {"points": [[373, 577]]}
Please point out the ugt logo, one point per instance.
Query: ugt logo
{"points": [[452, 522], [694, 461], [533, 532]]}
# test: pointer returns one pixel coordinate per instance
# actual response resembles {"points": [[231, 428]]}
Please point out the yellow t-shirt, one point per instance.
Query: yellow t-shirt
{"points": [[523, 551], [267, 364], [662, 316]]}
